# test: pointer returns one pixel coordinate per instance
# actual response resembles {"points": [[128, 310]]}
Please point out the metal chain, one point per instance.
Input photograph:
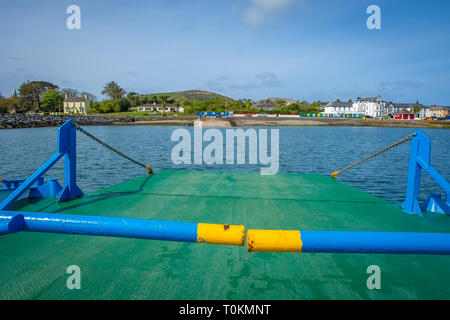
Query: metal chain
{"points": [[150, 170], [334, 174]]}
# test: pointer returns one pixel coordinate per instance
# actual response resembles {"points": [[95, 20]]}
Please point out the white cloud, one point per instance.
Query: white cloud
{"points": [[269, 5], [259, 9], [254, 16]]}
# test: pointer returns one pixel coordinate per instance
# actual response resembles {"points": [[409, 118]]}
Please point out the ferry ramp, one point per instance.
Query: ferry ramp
{"points": [[34, 265]]}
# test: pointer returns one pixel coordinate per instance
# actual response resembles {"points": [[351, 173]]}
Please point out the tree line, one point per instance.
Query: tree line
{"points": [[42, 96], [248, 106]]}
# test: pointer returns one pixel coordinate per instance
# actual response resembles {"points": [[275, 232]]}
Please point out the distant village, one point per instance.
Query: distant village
{"points": [[376, 107], [373, 107]]}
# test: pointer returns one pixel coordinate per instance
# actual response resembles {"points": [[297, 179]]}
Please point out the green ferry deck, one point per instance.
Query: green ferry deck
{"points": [[33, 265]]}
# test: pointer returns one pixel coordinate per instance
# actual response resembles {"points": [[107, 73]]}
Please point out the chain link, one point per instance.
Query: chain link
{"points": [[83, 131], [373, 155]]}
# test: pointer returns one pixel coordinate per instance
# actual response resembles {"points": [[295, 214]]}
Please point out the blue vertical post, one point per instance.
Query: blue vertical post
{"points": [[67, 144], [420, 148]]}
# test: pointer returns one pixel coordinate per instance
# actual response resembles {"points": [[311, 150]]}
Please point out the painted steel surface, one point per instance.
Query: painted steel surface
{"points": [[274, 241], [348, 242], [376, 242], [221, 234]]}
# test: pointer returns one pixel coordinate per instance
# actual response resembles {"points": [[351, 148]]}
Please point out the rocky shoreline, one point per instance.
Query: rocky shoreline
{"points": [[8, 121], [35, 120]]}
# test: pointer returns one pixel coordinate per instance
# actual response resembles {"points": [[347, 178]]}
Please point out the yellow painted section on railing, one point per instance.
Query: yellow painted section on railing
{"points": [[221, 234], [274, 241]]}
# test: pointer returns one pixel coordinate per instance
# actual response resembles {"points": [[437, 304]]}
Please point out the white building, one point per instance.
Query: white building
{"points": [[338, 107], [374, 107], [158, 108]]}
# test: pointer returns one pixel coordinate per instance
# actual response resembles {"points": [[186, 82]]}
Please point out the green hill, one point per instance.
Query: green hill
{"points": [[198, 95]]}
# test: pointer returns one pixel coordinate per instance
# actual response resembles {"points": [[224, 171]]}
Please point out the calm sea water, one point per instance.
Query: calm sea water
{"points": [[319, 150]]}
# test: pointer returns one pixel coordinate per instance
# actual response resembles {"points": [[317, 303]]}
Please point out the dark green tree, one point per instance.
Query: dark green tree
{"points": [[113, 90], [416, 108], [51, 101], [123, 105], [154, 99], [12, 104], [133, 97], [164, 100], [31, 93], [4, 104]]}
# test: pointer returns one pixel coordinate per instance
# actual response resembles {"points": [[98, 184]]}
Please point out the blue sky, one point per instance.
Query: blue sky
{"points": [[300, 49]]}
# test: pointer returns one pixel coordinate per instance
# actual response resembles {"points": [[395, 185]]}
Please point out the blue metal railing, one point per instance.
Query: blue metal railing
{"points": [[67, 149], [420, 159]]}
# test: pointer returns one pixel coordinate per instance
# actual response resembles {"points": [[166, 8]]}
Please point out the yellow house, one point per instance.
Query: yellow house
{"points": [[76, 104]]}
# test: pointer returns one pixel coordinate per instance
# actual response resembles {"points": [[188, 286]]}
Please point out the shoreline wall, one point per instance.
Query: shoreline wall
{"points": [[35, 121], [8, 121]]}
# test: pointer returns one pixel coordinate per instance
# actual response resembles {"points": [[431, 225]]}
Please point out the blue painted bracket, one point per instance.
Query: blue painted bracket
{"points": [[435, 204], [39, 189], [66, 148], [11, 184], [420, 159], [49, 189]]}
